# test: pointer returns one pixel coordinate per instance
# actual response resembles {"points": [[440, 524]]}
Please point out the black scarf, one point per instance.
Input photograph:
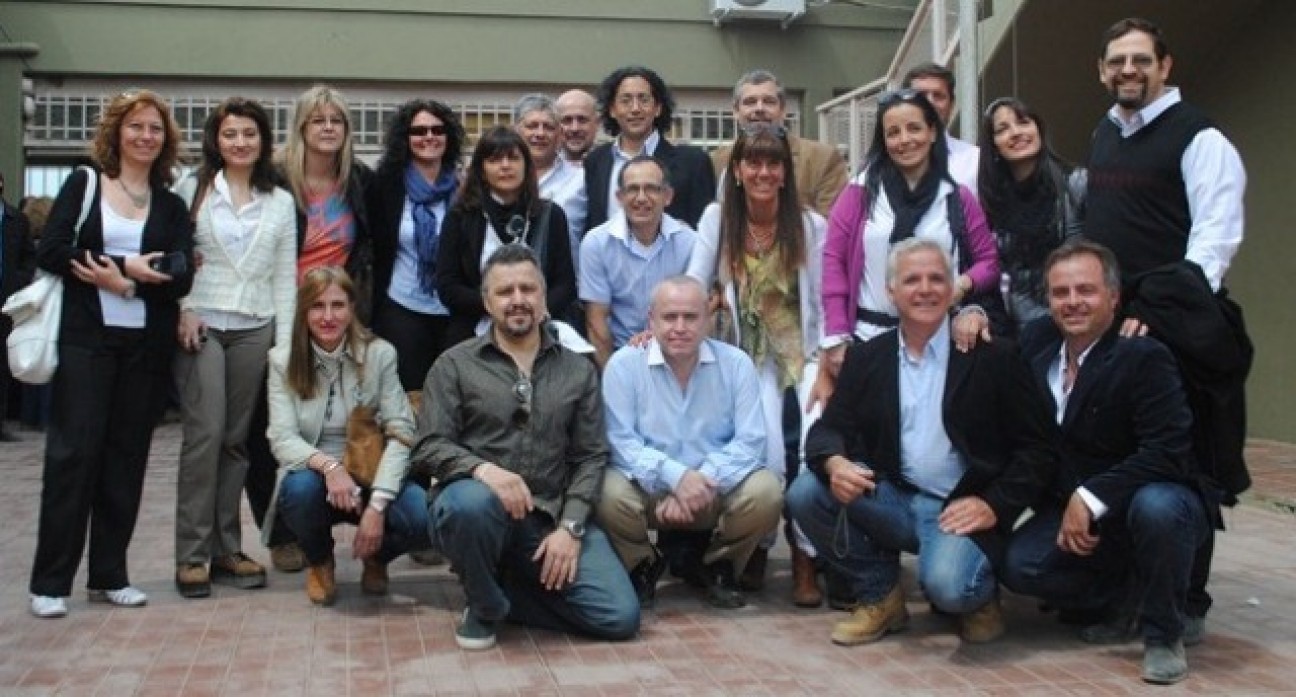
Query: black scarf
{"points": [[909, 205], [502, 218]]}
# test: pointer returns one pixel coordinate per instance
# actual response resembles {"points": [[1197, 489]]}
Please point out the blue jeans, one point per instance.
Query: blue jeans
{"points": [[492, 553], [304, 508], [1157, 537], [863, 541]]}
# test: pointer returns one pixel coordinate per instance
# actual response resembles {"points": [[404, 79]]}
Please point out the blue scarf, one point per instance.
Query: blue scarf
{"points": [[423, 197]]}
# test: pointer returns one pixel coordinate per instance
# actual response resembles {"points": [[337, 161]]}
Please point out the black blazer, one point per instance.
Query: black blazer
{"points": [[168, 228], [1126, 422], [691, 177], [19, 254], [459, 262], [993, 416], [384, 203]]}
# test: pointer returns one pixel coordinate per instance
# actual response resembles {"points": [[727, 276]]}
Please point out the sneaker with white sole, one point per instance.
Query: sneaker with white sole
{"points": [[48, 607], [475, 633], [126, 596]]}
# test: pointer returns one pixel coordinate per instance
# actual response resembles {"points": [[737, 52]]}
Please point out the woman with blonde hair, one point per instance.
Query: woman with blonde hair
{"points": [[241, 305], [331, 365], [116, 342]]}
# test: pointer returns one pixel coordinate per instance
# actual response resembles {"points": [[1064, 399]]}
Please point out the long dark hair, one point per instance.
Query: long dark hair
{"points": [[764, 143], [499, 140], [263, 172], [661, 95], [994, 178], [878, 160], [396, 150]]}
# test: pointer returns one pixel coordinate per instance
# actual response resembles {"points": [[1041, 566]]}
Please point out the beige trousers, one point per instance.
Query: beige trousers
{"points": [[739, 519]]}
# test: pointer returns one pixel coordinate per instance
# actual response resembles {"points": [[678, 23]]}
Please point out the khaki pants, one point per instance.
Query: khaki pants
{"points": [[739, 519]]}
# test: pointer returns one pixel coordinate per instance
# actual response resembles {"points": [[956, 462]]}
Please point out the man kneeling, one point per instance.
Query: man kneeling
{"points": [[925, 449], [687, 437]]}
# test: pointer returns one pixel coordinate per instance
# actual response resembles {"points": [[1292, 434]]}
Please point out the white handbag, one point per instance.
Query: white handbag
{"points": [[37, 310]]}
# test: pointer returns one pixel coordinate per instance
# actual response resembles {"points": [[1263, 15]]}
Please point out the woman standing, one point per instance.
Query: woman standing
{"points": [[905, 190], [241, 305], [318, 167], [331, 365], [1033, 201], [500, 204], [116, 342], [408, 201], [769, 249]]}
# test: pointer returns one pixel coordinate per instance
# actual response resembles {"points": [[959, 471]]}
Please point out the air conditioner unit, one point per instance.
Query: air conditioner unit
{"points": [[782, 11]]}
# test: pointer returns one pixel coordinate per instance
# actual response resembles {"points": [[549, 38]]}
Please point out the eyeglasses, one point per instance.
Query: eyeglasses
{"points": [[421, 131], [322, 121], [522, 391], [636, 190], [889, 98], [1141, 61], [761, 128], [629, 100]]}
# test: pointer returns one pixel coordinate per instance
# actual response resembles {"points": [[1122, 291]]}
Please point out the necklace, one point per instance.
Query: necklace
{"points": [[140, 201], [760, 238]]}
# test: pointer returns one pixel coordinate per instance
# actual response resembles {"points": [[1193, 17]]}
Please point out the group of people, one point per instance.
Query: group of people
{"points": [[574, 345]]}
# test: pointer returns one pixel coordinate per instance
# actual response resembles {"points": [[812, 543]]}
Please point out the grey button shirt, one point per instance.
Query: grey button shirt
{"points": [[472, 414]]}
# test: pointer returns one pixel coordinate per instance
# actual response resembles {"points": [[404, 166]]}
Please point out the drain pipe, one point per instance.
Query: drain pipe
{"points": [[969, 67]]}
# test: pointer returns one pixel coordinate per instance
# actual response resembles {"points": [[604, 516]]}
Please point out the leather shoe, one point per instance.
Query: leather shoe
{"points": [[192, 581], [1164, 664], [644, 577], [870, 622], [753, 575], [373, 580], [982, 625], [320, 585], [805, 591], [287, 558], [721, 587]]}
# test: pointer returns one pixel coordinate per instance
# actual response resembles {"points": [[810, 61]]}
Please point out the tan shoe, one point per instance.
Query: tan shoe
{"points": [[320, 586], [192, 581], [805, 591], [374, 579], [982, 625], [871, 622], [287, 558], [238, 570]]}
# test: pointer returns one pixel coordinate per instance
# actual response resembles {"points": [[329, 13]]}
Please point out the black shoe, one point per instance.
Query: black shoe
{"points": [[721, 587], [645, 577], [683, 550], [753, 575], [840, 596], [7, 437]]}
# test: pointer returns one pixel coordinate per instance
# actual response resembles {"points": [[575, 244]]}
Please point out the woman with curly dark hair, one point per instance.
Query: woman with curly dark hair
{"points": [[408, 202]]}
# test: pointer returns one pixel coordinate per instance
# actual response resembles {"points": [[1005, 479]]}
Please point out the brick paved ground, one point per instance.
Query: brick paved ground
{"points": [[273, 642]]}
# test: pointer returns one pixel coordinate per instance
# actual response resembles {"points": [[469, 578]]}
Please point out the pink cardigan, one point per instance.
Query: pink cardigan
{"points": [[843, 255]]}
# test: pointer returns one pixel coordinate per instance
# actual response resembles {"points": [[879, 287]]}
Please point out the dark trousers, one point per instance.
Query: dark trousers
{"points": [[1157, 536], [419, 339], [259, 482], [105, 403]]}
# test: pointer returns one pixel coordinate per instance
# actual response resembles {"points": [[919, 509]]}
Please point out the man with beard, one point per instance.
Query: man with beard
{"points": [[512, 429], [579, 124], [1165, 195], [535, 118]]}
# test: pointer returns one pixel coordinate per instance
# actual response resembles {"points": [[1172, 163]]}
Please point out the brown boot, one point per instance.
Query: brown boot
{"points": [[320, 586], [805, 592], [982, 625], [871, 622], [753, 575], [374, 579]]}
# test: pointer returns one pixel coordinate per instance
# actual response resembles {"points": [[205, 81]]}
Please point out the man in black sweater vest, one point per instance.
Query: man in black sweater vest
{"points": [[1165, 194]]}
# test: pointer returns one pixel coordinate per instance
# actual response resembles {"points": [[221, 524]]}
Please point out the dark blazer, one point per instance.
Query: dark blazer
{"points": [[1126, 422], [384, 203], [993, 416], [691, 177], [459, 262], [168, 228], [19, 255]]}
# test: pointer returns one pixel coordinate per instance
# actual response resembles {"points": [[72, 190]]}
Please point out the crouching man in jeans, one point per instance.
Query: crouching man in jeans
{"points": [[512, 428], [925, 449]]}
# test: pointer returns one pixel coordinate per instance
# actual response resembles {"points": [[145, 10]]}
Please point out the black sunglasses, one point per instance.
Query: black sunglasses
{"points": [[420, 131], [522, 391], [889, 98]]}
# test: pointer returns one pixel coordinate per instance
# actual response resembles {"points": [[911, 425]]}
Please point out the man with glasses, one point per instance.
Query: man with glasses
{"points": [[936, 82], [514, 436], [819, 168], [579, 125], [636, 109], [623, 259], [1165, 195], [688, 447]]}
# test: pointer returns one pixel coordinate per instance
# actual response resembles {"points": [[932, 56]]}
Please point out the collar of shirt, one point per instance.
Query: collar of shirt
{"points": [[220, 186], [649, 147], [1147, 114], [620, 229], [558, 172], [655, 356], [1057, 378], [937, 348], [547, 341]]}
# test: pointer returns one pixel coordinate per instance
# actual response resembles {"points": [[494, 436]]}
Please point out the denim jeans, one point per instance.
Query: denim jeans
{"points": [[1158, 537], [303, 506], [493, 554], [863, 541]]}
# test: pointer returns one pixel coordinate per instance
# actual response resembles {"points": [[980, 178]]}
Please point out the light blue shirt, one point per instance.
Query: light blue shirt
{"points": [[927, 458], [564, 184], [404, 288], [620, 159], [658, 431], [617, 271]]}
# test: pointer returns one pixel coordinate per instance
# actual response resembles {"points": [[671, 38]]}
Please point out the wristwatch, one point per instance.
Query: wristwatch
{"points": [[129, 293], [575, 528]]}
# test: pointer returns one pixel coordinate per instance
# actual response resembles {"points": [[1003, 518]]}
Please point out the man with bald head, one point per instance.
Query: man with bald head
{"points": [[579, 122], [688, 442]]}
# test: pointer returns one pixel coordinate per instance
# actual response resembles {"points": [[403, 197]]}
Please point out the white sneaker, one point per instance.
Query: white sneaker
{"points": [[48, 607], [127, 596]]}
